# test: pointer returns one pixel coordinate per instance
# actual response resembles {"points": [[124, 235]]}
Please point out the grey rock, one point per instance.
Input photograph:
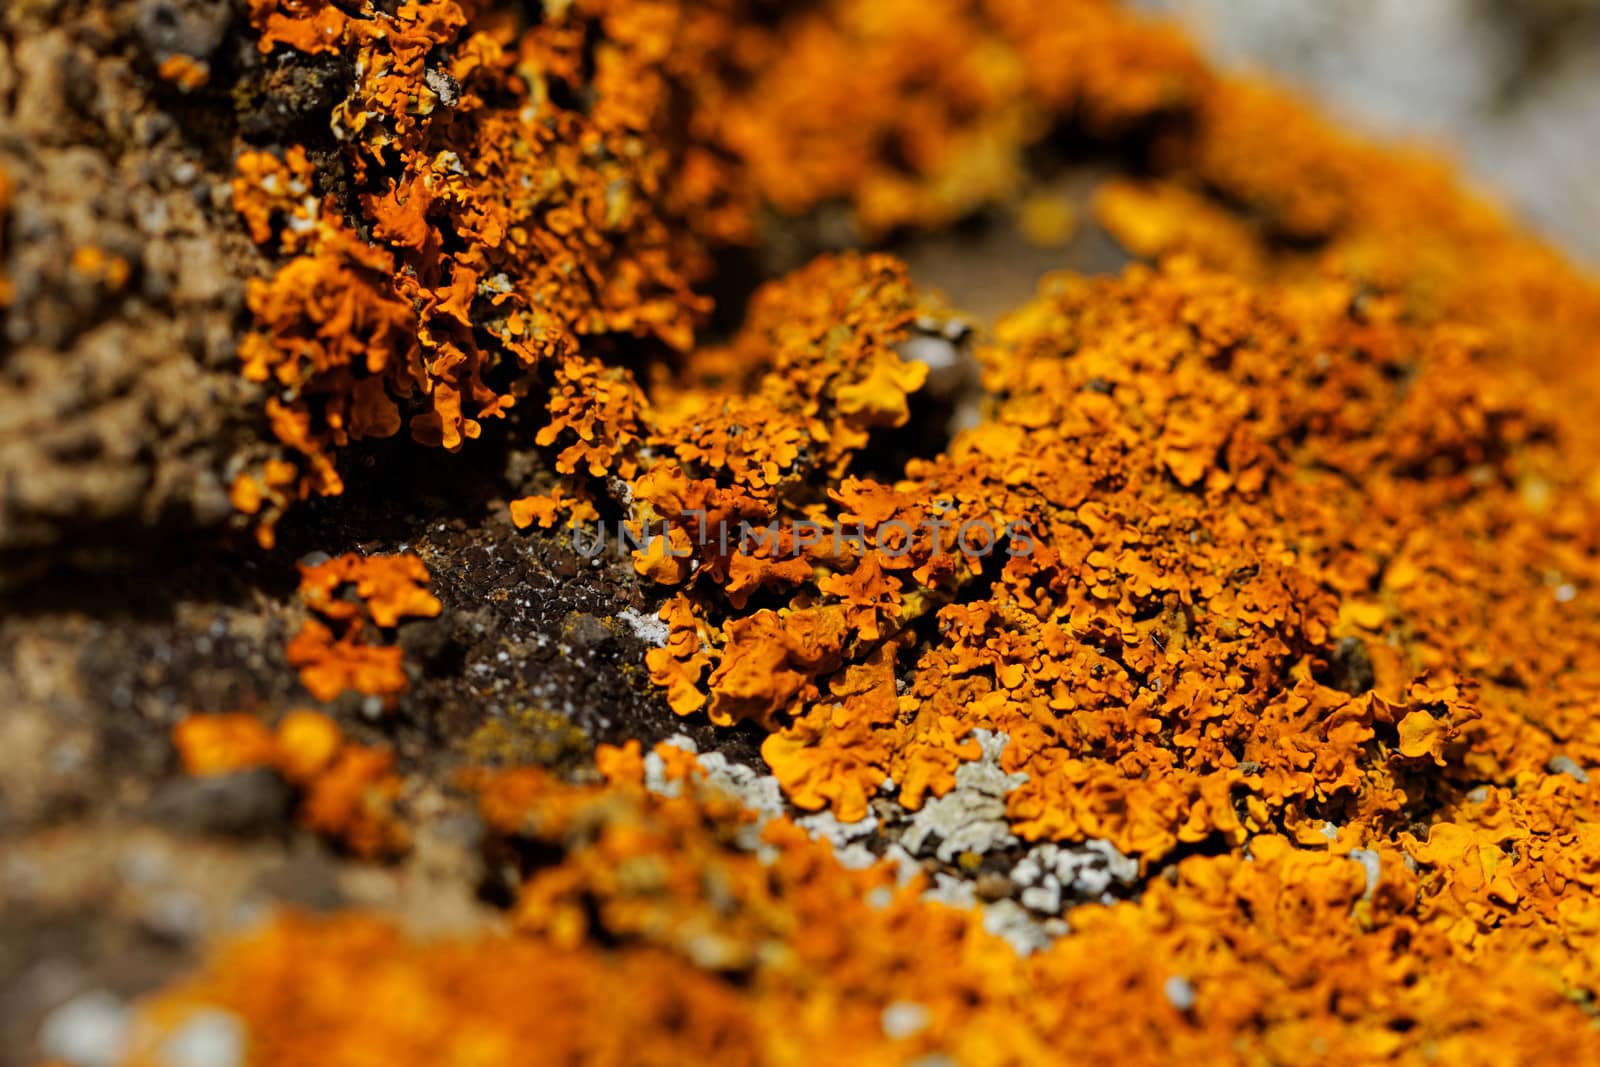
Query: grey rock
{"points": [[972, 816], [245, 803], [1564, 764], [183, 27]]}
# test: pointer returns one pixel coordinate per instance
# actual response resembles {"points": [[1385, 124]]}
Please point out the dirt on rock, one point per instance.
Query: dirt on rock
{"points": [[536, 655]]}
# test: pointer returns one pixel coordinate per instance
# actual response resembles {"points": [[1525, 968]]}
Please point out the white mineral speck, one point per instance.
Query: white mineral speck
{"points": [[648, 628], [1371, 863], [208, 1039], [90, 1030], [1043, 898], [1180, 992], [905, 1018], [1564, 764]]}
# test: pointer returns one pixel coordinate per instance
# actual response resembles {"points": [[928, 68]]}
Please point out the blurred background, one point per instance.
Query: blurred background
{"points": [[1511, 88]]}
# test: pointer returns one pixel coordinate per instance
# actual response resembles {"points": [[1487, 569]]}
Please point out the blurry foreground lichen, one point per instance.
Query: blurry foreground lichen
{"points": [[1270, 748]]}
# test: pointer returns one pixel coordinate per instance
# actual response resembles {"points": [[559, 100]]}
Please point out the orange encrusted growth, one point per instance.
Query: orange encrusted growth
{"points": [[498, 223], [518, 202], [610, 833], [1266, 567], [657, 920], [1154, 219], [346, 792], [817, 365], [816, 371], [560, 181], [545, 509], [488, 1001], [309, 26], [350, 596], [223, 744], [7, 190], [920, 113], [185, 72], [1209, 501], [388, 587]]}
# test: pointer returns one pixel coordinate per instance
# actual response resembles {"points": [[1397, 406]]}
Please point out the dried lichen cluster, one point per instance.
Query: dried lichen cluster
{"points": [[1304, 627]]}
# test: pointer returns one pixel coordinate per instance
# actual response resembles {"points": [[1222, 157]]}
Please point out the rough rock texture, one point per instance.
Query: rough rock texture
{"points": [[117, 867], [119, 398]]}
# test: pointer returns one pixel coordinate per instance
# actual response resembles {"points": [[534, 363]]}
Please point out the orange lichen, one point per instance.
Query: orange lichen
{"points": [[518, 202], [309, 26], [186, 72], [595, 413], [605, 829], [487, 1002], [101, 267], [223, 744], [6, 193], [269, 192], [813, 374], [1279, 554], [1161, 661], [657, 922], [1153, 220], [517, 208], [330, 664], [545, 509], [346, 792], [389, 587], [353, 801], [265, 494], [918, 113], [505, 227], [350, 596]]}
